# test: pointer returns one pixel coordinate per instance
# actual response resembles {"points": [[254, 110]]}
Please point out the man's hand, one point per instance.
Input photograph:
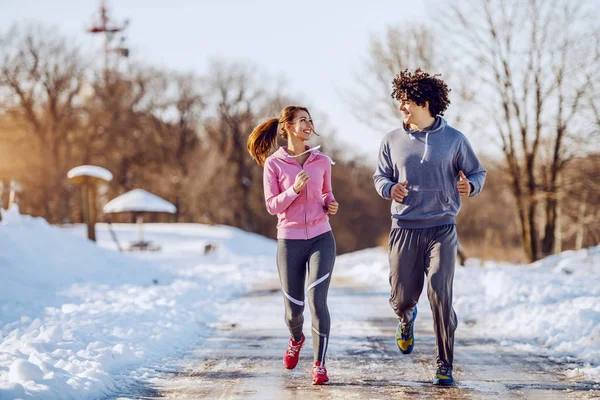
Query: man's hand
{"points": [[399, 191], [332, 208], [463, 185]]}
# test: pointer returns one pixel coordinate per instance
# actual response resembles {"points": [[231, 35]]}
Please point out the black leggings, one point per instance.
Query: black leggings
{"points": [[297, 258]]}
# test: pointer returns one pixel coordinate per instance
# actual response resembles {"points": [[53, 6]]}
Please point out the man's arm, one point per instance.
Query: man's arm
{"points": [[468, 162], [384, 175]]}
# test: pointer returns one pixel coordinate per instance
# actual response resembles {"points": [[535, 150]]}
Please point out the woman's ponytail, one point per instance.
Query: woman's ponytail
{"points": [[262, 139]]}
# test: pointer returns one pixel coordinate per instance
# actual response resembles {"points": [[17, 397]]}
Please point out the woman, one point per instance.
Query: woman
{"points": [[297, 184]]}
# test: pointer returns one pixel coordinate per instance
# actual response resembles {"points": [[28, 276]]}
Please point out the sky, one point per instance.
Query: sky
{"points": [[82, 320], [317, 46]]}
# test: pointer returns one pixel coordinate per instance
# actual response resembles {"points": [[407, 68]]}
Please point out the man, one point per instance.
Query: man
{"points": [[424, 167]]}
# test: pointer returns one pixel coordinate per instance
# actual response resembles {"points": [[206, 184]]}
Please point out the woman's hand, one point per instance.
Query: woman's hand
{"points": [[332, 208], [301, 181]]}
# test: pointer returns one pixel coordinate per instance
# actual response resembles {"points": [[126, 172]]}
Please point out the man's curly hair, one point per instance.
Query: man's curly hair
{"points": [[420, 87]]}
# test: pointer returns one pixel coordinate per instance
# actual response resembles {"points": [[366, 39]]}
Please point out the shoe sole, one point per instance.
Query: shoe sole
{"points": [[440, 383], [286, 367]]}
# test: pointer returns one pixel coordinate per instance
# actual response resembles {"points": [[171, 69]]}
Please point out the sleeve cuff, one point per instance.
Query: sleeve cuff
{"points": [[291, 192], [387, 190]]}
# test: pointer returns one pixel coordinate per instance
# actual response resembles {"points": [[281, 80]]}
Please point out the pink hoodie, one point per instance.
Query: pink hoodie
{"points": [[301, 215]]}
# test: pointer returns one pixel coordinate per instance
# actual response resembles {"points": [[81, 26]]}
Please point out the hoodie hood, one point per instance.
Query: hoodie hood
{"points": [[283, 154], [439, 124]]}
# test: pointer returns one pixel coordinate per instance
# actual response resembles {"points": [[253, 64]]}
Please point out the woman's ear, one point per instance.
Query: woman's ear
{"points": [[285, 129]]}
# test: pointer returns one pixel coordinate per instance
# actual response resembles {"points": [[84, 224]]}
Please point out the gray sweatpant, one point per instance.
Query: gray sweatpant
{"points": [[297, 258], [413, 254]]}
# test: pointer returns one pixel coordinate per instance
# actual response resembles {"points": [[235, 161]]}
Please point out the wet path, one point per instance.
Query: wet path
{"points": [[243, 359]]}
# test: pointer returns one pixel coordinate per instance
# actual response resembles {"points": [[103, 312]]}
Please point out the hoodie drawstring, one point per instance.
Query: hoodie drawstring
{"points": [[426, 146], [307, 151], [310, 150], [412, 137]]}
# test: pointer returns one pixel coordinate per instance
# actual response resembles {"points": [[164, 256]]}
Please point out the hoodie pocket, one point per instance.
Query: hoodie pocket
{"points": [[444, 199], [421, 203]]}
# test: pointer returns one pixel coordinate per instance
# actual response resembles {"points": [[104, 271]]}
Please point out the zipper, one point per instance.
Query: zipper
{"points": [[306, 205], [306, 197], [305, 190]]}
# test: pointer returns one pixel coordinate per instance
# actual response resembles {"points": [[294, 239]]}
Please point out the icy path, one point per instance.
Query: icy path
{"points": [[242, 359]]}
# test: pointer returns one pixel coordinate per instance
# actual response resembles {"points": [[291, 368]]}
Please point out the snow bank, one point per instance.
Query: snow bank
{"points": [[78, 318]]}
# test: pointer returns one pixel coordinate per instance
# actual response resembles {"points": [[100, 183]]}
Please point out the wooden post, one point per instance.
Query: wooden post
{"points": [[87, 208], [139, 219], [14, 189], [88, 177], [91, 224]]}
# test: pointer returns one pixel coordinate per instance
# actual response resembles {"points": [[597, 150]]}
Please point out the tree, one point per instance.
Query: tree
{"points": [[409, 46], [177, 120], [528, 60], [234, 99], [581, 215], [41, 76], [401, 48]]}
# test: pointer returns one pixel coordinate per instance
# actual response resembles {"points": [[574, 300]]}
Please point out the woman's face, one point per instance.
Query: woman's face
{"points": [[301, 126]]}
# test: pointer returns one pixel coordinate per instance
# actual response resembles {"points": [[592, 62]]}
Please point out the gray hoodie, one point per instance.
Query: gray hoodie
{"points": [[430, 160]]}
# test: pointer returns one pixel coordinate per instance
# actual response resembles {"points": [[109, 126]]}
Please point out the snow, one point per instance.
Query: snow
{"points": [[82, 320], [138, 200], [90, 170], [77, 319]]}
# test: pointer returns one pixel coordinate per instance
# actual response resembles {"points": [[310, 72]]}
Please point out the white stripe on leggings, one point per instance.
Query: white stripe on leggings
{"points": [[315, 283], [293, 300]]}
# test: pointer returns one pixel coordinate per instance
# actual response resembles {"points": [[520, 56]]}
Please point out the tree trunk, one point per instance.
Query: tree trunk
{"points": [[533, 231], [551, 229], [524, 223]]}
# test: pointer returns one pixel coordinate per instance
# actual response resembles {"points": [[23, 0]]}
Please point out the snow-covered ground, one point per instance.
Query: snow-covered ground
{"points": [[75, 317], [80, 320]]}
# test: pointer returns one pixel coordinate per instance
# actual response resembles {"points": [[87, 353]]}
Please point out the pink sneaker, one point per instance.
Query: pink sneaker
{"points": [[319, 374], [290, 359]]}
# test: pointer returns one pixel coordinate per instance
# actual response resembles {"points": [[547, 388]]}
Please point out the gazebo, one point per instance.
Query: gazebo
{"points": [[138, 202]]}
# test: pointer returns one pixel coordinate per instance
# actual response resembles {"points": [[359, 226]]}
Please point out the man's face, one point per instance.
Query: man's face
{"points": [[412, 112]]}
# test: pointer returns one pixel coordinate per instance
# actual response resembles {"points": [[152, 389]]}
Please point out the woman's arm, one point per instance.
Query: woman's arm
{"points": [[276, 200], [327, 190]]}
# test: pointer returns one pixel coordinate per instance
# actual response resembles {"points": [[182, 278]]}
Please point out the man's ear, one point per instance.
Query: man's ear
{"points": [[427, 108]]}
